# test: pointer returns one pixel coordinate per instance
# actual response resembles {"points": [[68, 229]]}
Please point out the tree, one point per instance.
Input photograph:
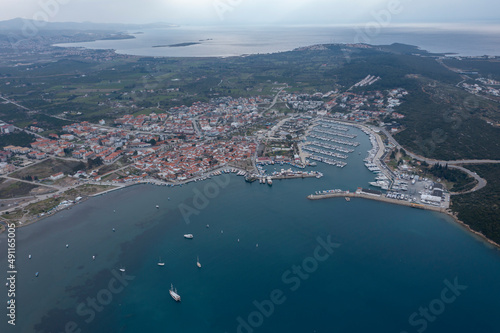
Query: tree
{"points": [[94, 162]]}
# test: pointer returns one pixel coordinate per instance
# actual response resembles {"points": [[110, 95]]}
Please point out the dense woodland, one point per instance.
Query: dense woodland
{"points": [[481, 209]]}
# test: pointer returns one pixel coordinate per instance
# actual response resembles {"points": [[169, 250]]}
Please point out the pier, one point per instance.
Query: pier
{"points": [[376, 198]]}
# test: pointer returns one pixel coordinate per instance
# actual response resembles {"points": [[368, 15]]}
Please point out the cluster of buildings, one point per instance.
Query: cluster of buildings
{"points": [[305, 102], [229, 114], [6, 128], [220, 116], [480, 89], [354, 106], [187, 160]]}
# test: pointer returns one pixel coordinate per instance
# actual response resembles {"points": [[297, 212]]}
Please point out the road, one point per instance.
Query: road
{"points": [[274, 100], [29, 182], [481, 182]]}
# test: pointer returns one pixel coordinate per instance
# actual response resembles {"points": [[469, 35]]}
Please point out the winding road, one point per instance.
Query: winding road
{"points": [[481, 182]]}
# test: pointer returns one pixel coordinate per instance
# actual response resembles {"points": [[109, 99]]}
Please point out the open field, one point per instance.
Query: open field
{"points": [[12, 189], [49, 167]]}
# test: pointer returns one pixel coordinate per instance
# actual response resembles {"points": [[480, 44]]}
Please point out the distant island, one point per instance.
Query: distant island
{"points": [[178, 45], [118, 37]]}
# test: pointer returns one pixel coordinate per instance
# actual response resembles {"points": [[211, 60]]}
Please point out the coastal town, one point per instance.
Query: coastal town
{"points": [[191, 143]]}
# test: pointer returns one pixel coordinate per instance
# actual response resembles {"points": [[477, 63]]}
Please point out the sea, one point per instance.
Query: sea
{"points": [[271, 261], [214, 41]]}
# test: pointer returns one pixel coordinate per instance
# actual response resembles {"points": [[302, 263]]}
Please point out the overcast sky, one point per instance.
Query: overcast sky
{"points": [[258, 12]]}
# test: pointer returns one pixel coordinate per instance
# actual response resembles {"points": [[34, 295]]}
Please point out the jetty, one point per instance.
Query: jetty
{"points": [[376, 197]]}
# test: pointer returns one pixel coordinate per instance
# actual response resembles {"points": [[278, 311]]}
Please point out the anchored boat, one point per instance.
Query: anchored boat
{"points": [[174, 293]]}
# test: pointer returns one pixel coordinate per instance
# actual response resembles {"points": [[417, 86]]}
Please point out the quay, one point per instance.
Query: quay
{"points": [[375, 197], [291, 176]]}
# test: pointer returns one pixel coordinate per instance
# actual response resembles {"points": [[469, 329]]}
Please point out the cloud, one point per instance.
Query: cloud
{"points": [[228, 12]]}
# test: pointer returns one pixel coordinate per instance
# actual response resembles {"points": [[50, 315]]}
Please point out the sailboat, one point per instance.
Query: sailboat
{"points": [[198, 262], [174, 293], [160, 263]]}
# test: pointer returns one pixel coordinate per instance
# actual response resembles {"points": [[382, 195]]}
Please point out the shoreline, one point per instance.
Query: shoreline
{"points": [[227, 168], [155, 182], [445, 211]]}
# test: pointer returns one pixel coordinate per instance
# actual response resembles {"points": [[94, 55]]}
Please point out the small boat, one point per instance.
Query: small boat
{"points": [[29, 257], [157, 206], [347, 199], [188, 236], [198, 262], [67, 245], [93, 257], [160, 263], [222, 231], [114, 230], [168, 198], [36, 274], [208, 226], [122, 270], [174, 293], [257, 245]]}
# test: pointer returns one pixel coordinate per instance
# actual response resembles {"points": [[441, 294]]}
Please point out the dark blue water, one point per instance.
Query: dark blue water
{"points": [[234, 41], [386, 262]]}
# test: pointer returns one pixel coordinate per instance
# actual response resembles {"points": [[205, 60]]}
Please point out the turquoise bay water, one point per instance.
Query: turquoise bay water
{"points": [[391, 262]]}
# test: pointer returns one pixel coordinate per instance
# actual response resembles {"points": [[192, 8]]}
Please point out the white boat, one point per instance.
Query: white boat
{"points": [[93, 257], [269, 181], [188, 236], [160, 263], [157, 206], [198, 262], [122, 270], [29, 257], [174, 293]]}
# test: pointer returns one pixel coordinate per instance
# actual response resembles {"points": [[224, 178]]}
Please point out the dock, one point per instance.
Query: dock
{"points": [[376, 198]]}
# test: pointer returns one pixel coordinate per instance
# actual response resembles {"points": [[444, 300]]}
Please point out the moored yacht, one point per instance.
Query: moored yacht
{"points": [[174, 293]]}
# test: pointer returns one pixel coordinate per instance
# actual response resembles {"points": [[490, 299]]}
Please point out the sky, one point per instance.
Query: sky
{"points": [[254, 12]]}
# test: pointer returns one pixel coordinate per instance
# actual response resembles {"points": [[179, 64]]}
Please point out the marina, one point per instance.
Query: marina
{"points": [[144, 232]]}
